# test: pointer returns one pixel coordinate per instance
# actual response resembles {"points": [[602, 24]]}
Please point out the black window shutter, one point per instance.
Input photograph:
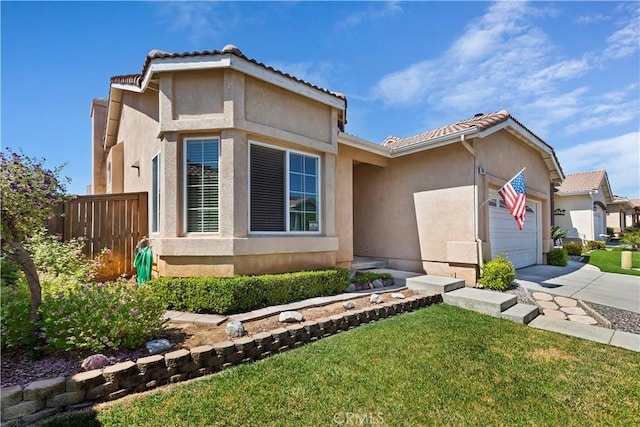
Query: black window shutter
{"points": [[267, 189]]}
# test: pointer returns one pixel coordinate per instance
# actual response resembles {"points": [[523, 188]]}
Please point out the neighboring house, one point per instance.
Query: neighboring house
{"points": [[581, 205], [619, 214], [249, 171]]}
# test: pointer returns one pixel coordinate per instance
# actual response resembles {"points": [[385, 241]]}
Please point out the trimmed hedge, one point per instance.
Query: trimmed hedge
{"points": [[573, 248], [226, 295], [558, 257]]}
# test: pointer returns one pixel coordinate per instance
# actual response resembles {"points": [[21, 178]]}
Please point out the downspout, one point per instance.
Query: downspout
{"points": [[470, 149]]}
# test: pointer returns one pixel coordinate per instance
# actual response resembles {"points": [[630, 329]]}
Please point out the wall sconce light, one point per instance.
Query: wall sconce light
{"points": [[559, 212], [136, 165]]}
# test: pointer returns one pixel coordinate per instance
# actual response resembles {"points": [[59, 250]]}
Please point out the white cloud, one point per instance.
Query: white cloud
{"points": [[590, 19], [378, 10], [503, 60], [197, 19], [317, 74], [619, 156], [625, 41]]}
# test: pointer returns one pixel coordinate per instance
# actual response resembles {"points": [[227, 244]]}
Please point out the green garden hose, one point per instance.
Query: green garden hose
{"points": [[142, 262]]}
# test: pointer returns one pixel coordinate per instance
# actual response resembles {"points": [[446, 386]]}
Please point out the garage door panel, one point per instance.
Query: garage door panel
{"points": [[520, 246]]}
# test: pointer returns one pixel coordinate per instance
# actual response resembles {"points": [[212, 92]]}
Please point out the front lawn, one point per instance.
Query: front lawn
{"points": [[609, 261], [437, 366]]}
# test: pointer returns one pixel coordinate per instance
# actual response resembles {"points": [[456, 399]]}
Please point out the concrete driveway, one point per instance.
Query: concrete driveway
{"points": [[585, 282]]}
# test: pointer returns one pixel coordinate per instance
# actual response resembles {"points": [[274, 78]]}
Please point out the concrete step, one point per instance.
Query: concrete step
{"points": [[434, 284], [362, 263], [399, 277], [521, 313], [480, 300]]}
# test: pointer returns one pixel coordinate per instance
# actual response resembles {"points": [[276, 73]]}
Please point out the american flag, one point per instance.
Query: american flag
{"points": [[514, 194]]}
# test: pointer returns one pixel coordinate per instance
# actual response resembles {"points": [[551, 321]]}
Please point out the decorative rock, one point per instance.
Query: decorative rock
{"points": [[348, 305], [158, 346], [541, 296], [95, 361], [235, 329], [548, 304], [554, 313], [351, 288], [398, 295], [378, 283], [290, 317], [376, 299], [574, 310], [583, 319], [566, 302]]}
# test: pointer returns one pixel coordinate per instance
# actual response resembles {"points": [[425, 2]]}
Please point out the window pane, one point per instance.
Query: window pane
{"points": [[310, 184], [310, 165], [202, 185], [295, 163], [295, 182], [267, 194]]}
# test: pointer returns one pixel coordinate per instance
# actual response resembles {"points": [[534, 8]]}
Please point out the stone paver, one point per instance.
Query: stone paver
{"points": [[541, 296], [566, 302], [548, 304], [574, 310], [554, 314], [587, 320]]}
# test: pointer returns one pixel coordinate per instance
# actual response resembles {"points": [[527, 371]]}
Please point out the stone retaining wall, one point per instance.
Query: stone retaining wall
{"points": [[41, 399]]}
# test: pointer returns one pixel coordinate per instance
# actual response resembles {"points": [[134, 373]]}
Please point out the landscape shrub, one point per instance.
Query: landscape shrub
{"points": [[592, 245], [100, 316], [15, 308], [558, 257], [244, 293], [362, 278], [631, 238], [498, 274], [61, 262], [573, 248]]}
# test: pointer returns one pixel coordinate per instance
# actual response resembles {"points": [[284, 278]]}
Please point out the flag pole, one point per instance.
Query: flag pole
{"points": [[487, 201]]}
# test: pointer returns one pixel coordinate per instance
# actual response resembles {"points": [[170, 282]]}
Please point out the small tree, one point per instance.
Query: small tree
{"points": [[29, 194]]}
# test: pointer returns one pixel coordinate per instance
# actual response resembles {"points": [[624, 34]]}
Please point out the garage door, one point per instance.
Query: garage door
{"points": [[521, 246]]}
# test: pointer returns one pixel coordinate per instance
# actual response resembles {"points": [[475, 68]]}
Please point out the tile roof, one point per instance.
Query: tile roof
{"points": [[136, 79], [582, 182], [479, 121]]}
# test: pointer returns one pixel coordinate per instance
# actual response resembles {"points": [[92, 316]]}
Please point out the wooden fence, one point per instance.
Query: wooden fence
{"points": [[113, 221]]}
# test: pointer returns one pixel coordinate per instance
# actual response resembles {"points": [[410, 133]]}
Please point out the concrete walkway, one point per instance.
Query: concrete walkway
{"points": [[585, 282]]}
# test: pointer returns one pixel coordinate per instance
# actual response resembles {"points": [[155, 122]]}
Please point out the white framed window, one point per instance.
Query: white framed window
{"points": [[284, 194], [201, 160], [155, 194]]}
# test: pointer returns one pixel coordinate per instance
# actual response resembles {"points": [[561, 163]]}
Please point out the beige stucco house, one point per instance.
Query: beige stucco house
{"points": [[249, 170], [622, 213], [581, 205]]}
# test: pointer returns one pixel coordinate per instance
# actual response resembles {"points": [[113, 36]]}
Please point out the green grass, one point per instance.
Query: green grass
{"points": [[437, 366], [609, 261]]}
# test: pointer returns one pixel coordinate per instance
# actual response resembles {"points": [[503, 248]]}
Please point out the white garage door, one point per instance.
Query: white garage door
{"points": [[520, 246]]}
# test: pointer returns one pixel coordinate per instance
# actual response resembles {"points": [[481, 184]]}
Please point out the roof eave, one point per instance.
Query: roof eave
{"points": [[440, 141], [524, 134]]}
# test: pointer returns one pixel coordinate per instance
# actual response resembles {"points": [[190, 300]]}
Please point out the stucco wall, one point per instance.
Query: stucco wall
{"points": [[197, 94], [278, 108], [390, 201], [98, 164], [139, 132], [580, 218]]}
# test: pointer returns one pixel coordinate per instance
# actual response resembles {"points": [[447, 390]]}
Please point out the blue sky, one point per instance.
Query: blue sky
{"points": [[569, 71]]}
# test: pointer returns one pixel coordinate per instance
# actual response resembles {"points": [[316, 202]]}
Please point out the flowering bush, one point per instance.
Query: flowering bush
{"points": [[61, 262], [100, 316]]}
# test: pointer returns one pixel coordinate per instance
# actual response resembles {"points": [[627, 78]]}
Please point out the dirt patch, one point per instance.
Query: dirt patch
{"points": [[189, 335], [19, 369]]}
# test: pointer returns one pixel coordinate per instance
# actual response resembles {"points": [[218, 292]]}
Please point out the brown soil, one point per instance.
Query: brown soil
{"points": [[19, 369], [189, 335]]}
